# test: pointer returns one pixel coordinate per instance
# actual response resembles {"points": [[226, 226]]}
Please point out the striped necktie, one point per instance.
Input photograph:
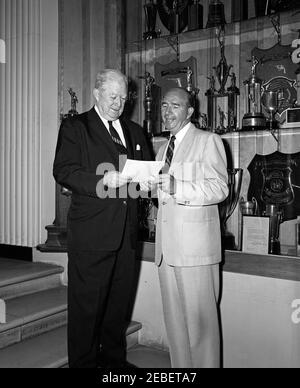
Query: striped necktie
{"points": [[170, 151], [116, 139]]}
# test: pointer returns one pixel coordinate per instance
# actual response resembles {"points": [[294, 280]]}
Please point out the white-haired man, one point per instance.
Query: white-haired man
{"points": [[102, 229]]}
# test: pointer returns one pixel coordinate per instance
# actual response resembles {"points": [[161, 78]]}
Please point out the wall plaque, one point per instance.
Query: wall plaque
{"points": [[275, 180]]}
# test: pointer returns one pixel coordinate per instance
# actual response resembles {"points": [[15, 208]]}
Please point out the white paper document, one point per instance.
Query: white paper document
{"points": [[141, 171]]}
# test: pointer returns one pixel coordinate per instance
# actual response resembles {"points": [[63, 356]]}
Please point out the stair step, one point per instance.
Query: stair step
{"points": [[20, 278], [146, 357], [45, 351], [134, 327], [34, 314], [132, 334]]}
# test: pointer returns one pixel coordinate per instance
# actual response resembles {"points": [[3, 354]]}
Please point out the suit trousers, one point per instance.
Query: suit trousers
{"points": [[100, 290], [190, 304]]}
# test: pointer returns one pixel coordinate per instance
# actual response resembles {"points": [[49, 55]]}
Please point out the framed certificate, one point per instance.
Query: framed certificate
{"points": [[256, 235]]}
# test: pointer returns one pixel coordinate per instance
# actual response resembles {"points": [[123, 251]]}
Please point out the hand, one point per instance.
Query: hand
{"points": [[148, 185], [114, 180], [167, 183]]}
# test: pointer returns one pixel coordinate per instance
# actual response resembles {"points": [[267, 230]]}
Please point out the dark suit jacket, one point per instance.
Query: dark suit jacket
{"points": [[95, 224]]}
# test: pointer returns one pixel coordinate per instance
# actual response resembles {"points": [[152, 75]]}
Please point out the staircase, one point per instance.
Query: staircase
{"points": [[33, 316]]}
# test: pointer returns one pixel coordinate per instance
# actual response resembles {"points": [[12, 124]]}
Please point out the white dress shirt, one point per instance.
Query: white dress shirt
{"points": [[116, 124], [179, 137]]}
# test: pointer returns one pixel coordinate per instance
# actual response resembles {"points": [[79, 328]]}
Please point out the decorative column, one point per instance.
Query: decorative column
{"points": [[20, 123]]}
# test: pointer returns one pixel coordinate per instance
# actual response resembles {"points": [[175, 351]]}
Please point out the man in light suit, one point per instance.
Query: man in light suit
{"points": [[188, 245]]}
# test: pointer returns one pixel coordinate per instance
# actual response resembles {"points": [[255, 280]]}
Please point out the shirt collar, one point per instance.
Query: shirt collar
{"points": [[181, 134], [105, 122]]}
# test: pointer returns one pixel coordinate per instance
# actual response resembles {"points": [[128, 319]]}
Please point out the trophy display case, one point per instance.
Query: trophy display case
{"points": [[229, 102]]}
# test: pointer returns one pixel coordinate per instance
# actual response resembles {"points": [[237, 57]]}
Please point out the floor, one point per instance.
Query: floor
{"points": [[144, 357]]}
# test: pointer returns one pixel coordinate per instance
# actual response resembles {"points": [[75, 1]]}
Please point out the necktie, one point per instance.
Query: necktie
{"points": [[170, 151], [116, 139]]}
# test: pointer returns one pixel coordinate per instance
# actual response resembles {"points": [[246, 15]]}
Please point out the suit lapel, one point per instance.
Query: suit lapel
{"points": [[128, 139], [100, 132], [185, 146], [161, 152]]}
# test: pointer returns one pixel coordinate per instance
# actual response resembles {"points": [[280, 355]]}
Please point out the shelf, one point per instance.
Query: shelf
{"points": [[232, 29], [277, 267], [250, 134]]}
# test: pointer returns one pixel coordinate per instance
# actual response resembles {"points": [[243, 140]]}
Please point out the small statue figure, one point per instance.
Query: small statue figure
{"points": [[190, 88], [204, 121], [233, 80], [233, 88], [221, 39], [222, 70], [255, 62], [231, 119], [149, 81], [222, 118], [189, 75], [74, 101], [212, 83], [148, 122]]}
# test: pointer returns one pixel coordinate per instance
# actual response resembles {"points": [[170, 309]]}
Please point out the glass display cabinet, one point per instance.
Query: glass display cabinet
{"points": [[225, 57]]}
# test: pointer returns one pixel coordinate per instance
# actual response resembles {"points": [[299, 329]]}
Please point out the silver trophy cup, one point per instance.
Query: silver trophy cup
{"points": [[270, 101], [276, 218]]}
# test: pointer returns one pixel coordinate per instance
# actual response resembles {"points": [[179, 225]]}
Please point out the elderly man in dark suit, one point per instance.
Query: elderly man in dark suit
{"points": [[102, 223]]}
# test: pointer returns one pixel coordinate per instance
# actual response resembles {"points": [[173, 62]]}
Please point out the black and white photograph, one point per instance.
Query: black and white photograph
{"points": [[149, 187]]}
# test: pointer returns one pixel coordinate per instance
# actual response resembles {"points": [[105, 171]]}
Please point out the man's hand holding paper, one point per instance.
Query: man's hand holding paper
{"points": [[142, 171]]}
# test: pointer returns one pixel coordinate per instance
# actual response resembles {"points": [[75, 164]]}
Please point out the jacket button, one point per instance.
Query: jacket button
{"points": [[124, 203]]}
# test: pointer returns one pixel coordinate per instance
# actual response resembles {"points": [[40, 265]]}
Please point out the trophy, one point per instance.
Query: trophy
{"points": [[173, 14], [249, 208], [216, 14], [150, 12], [148, 122], [254, 119], [195, 16], [221, 128], [72, 112], [276, 218], [222, 73], [193, 91], [222, 70], [270, 103], [229, 205], [190, 88], [233, 93]]}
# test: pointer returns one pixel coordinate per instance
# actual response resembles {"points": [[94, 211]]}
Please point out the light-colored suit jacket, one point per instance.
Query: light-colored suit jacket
{"points": [[188, 224]]}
